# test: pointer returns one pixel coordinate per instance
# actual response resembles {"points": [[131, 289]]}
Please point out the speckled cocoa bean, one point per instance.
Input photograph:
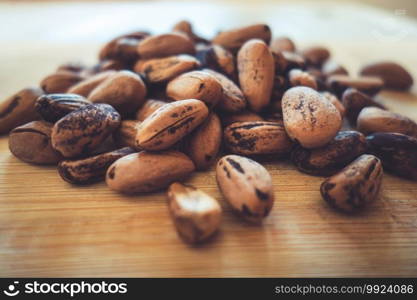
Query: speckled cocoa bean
{"points": [[356, 186], [331, 158], [257, 138], [91, 169], [53, 107], [170, 123], [159, 70], [246, 186], [83, 130]]}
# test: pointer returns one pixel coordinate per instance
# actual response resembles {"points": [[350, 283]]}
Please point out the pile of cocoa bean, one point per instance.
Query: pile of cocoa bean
{"points": [[157, 107]]}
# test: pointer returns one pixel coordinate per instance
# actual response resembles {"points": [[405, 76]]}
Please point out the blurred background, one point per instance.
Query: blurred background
{"points": [[39, 35], [409, 5]]}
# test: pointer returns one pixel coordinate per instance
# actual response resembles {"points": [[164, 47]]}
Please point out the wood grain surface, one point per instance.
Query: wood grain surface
{"points": [[51, 228]]}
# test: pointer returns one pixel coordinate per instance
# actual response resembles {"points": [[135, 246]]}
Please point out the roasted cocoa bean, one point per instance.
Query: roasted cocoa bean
{"points": [[127, 175], [19, 109], [83, 130], [398, 152], [164, 45], [170, 123], [32, 143], [235, 38], [256, 69], [366, 84], [356, 186], [374, 119], [394, 76], [195, 85], [309, 118], [354, 101], [85, 87], [124, 90], [257, 138], [159, 70], [125, 135], [60, 82], [91, 169], [246, 186], [203, 145], [53, 107], [331, 158]]}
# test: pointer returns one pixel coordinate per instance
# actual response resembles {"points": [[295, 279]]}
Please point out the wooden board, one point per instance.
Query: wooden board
{"points": [[50, 228]]}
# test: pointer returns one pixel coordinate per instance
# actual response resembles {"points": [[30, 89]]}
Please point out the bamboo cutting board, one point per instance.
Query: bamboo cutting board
{"points": [[51, 228]]}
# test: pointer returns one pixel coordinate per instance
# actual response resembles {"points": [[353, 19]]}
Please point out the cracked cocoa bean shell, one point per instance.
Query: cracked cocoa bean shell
{"points": [[196, 215]]}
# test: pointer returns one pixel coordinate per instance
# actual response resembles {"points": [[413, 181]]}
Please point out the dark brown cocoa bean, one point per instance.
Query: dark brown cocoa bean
{"points": [[354, 101], [257, 138], [83, 130], [398, 152], [32, 143], [60, 82], [394, 76], [53, 107], [92, 169], [366, 84], [329, 159], [19, 109], [316, 55], [356, 186]]}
